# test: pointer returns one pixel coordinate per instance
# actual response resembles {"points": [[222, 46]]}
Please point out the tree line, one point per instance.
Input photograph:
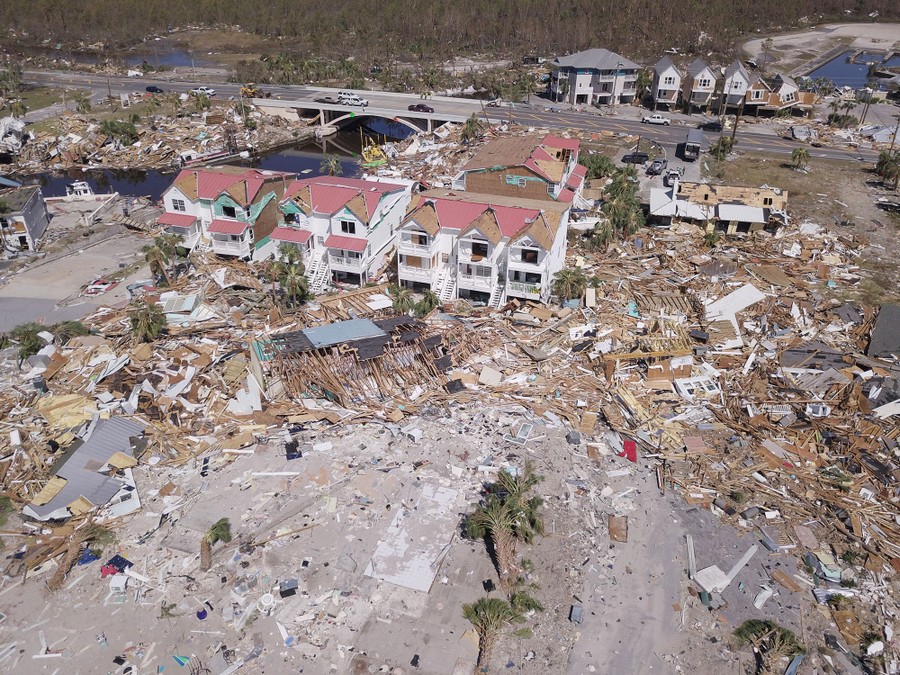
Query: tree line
{"points": [[432, 30]]}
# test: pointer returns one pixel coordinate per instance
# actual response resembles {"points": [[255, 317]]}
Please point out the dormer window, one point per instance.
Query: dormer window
{"points": [[229, 212], [348, 227]]}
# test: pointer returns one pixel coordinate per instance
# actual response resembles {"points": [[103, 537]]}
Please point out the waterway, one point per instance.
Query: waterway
{"points": [[304, 160], [846, 73]]}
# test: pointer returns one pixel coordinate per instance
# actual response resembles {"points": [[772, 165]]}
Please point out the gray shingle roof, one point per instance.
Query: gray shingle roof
{"points": [[663, 65], [696, 67], [599, 59], [737, 67]]}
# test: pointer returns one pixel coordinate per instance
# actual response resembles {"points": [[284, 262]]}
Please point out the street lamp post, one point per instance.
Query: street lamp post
{"points": [[612, 98]]}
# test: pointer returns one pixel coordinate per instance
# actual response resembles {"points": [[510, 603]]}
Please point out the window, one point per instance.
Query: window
{"points": [[737, 85], [236, 237], [518, 181], [757, 94], [229, 212], [445, 257], [767, 201], [352, 254], [479, 249], [704, 83], [348, 227], [418, 239], [529, 255], [669, 80], [178, 205], [789, 97], [320, 241]]}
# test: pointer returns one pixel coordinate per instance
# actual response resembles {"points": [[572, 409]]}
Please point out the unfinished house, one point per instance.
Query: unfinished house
{"points": [[229, 210], [699, 85], [482, 247], [94, 471], [525, 167], [25, 218], [728, 209], [343, 227], [666, 83], [361, 359]]}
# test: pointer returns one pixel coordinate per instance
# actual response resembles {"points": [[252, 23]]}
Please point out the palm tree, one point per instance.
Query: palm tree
{"points": [[82, 102], [293, 282], [770, 642], [800, 156], [26, 336], [642, 84], [291, 255], [600, 237], [624, 215], [202, 103], [569, 283], [220, 531], [158, 260], [147, 322], [66, 330], [428, 302], [495, 521], [402, 299], [470, 130], [18, 108], [490, 616], [168, 244], [888, 166], [331, 165], [597, 165], [175, 100]]}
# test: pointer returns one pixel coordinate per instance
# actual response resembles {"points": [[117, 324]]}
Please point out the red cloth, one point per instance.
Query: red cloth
{"points": [[629, 450]]}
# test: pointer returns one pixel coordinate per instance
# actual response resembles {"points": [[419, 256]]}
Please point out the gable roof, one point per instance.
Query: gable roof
{"points": [[496, 217], [663, 65], [329, 194], [241, 184], [736, 68], [598, 59], [696, 67]]}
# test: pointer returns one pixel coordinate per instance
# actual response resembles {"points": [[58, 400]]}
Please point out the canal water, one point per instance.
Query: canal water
{"points": [[846, 73], [305, 160]]}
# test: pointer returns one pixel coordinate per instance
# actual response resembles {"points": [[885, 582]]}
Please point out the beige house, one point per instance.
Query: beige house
{"points": [[729, 209]]}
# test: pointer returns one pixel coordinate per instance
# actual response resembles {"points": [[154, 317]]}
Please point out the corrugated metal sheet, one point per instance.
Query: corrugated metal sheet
{"points": [[742, 213], [342, 331], [106, 438]]}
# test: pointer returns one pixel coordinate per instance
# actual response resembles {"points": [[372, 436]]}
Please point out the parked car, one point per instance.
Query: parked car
{"points": [[203, 91], [657, 166], [352, 99], [421, 107], [326, 99], [711, 125], [153, 89], [496, 103], [656, 119], [636, 158], [671, 176]]}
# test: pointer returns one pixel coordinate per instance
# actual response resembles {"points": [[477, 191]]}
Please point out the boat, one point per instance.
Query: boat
{"points": [[372, 154], [79, 189]]}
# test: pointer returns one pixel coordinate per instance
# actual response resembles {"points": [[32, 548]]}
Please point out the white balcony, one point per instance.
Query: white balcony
{"points": [[524, 290], [240, 249], [465, 255], [406, 246], [475, 282], [345, 264], [189, 235], [408, 273]]}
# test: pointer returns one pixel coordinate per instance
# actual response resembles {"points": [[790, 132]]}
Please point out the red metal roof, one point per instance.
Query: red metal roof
{"points": [[346, 243], [513, 219], [552, 141], [329, 194], [566, 196], [227, 226], [176, 219], [291, 234], [580, 170], [574, 181]]}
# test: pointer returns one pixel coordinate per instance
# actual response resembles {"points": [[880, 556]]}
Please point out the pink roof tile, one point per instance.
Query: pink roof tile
{"points": [[291, 234], [580, 170], [211, 183], [457, 215], [227, 226], [346, 243], [513, 220], [574, 181], [176, 219], [566, 196]]}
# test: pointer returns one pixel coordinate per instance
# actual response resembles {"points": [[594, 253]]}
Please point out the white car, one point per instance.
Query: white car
{"points": [[656, 119], [352, 99], [203, 91]]}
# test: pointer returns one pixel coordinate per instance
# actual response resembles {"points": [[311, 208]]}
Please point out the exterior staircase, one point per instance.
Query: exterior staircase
{"points": [[317, 272], [498, 296], [445, 287]]}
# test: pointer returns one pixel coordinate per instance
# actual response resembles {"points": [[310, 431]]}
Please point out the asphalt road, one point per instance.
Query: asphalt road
{"points": [[750, 138]]}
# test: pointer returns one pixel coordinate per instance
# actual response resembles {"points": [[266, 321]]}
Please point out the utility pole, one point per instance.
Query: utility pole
{"points": [[740, 111], [894, 135]]}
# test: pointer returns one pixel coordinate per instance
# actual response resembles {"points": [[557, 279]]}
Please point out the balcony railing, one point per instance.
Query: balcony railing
{"points": [[472, 281], [407, 246], [345, 263], [465, 255], [524, 289], [240, 248], [416, 273]]}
